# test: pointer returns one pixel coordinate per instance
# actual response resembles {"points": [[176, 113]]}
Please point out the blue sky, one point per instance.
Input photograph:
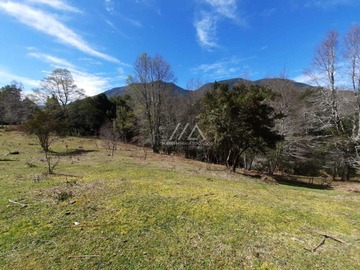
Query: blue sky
{"points": [[208, 40]]}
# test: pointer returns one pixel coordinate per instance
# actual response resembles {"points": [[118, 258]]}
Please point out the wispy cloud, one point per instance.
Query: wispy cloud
{"points": [[91, 83], [56, 4], [49, 25], [329, 3], [222, 69], [226, 8], [303, 78], [151, 5], [131, 21], [55, 61], [206, 31], [6, 77], [268, 12], [109, 5], [211, 13]]}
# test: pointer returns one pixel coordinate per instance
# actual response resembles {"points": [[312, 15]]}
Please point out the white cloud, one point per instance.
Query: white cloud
{"points": [[227, 8], [91, 83], [57, 4], [109, 5], [303, 78], [47, 24], [6, 77], [210, 15], [222, 69], [133, 22], [206, 31], [55, 61]]}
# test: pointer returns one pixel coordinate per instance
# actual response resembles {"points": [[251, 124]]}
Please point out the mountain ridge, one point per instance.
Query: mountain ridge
{"points": [[121, 90]]}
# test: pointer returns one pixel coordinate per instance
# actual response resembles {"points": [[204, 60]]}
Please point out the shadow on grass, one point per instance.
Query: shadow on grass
{"points": [[7, 159], [293, 181], [73, 152]]}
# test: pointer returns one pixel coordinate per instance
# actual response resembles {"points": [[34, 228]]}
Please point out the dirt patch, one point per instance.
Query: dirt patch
{"points": [[347, 186]]}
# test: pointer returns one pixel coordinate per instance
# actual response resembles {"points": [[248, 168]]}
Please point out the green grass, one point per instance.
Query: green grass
{"points": [[165, 212]]}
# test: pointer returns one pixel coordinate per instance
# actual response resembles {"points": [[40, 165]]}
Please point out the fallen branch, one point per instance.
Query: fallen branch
{"points": [[21, 204], [325, 235], [319, 245]]}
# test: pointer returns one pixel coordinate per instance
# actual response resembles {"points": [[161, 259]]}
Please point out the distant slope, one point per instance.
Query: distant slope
{"points": [[177, 90], [119, 91], [270, 82], [231, 82]]}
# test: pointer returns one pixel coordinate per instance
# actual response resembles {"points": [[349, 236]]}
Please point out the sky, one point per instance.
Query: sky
{"points": [[202, 40]]}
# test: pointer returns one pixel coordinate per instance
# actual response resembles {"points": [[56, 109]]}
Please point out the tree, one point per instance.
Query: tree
{"points": [[150, 89], [10, 103], [110, 137], [13, 108], [352, 58], [86, 116], [323, 71], [59, 84], [46, 127], [239, 119], [336, 133], [124, 121]]}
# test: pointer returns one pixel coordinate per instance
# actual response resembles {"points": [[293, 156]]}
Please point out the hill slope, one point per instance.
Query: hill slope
{"points": [[164, 212], [177, 90], [119, 91]]}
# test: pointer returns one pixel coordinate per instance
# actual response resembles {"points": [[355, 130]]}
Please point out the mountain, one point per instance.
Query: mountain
{"points": [[276, 81], [177, 90], [231, 82], [119, 91], [116, 91], [270, 82]]}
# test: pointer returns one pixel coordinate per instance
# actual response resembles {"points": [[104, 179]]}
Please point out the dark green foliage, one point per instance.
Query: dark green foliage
{"points": [[13, 109], [124, 120], [86, 116], [239, 119], [44, 125]]}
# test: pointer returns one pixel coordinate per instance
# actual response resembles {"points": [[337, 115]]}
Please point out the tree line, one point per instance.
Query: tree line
{"points": [[274, 127]]}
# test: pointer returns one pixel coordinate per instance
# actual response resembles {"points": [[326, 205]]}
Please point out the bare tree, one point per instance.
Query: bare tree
{"points": [[323, 72], [59, 84], [352, 58], [288, 105], [110, 137], [150, 88]]}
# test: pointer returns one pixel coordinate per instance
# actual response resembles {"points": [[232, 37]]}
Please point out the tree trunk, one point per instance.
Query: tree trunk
{"points": [[228, 159], [235, 162]]}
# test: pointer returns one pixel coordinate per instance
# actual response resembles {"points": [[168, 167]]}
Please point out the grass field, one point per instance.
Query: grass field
{"points": [[165, 212]]}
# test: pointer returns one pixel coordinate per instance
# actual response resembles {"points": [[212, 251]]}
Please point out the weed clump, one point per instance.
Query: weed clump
{"points": [[63, 195]]}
